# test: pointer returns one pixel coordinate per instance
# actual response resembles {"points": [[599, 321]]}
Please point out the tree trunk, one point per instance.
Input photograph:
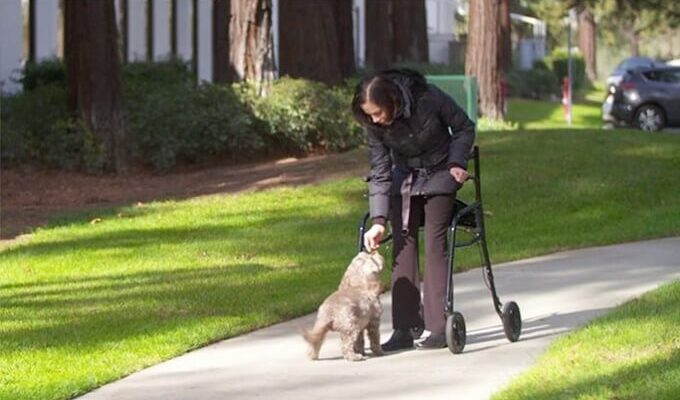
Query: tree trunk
{"points": [[482, 56], [586, 42], [409, 25], [505, 46], [345, 33], [379, 44], [314, 39], [222, 70], [634, 43], [250, 35], [396, 32], [94, 74]]}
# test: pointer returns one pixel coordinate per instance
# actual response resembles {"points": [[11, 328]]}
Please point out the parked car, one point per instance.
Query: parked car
{"points": [[628, 63], [647, 98], [674, 63]]}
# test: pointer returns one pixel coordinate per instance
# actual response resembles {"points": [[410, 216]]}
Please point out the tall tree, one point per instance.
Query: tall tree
{"points": [[410, 31], [250, 41], [379, 34], [94, 77], [222, 70], [505, 44], [315, 41], [586, 41], [396, 32], [481, 57]]}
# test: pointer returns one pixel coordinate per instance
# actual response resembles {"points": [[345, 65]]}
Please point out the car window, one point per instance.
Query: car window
{"points": [[674, 76], [652, 75], [663, 76], [635, 62]]}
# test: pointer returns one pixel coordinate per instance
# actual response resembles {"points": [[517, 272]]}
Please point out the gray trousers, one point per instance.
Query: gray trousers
{"points": [[408, 311]]}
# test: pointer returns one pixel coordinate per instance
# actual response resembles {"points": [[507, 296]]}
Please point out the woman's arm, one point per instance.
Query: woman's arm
{"points": [[381, 179]]}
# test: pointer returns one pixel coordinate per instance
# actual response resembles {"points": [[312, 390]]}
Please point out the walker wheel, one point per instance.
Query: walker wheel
{"points": [[455, 332], [512, 321]]}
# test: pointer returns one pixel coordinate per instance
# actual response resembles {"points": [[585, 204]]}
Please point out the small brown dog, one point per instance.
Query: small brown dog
{"points": [[351, 309]]}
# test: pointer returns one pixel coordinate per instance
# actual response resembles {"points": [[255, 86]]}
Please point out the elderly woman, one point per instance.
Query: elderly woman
{"points": [[419, 141]]}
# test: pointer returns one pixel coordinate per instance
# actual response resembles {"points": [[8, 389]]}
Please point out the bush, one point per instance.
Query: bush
{"points": [[170, 119], [48, 72], [181, 122], [37, 128], [303, 115], [534, 83], [559, 62]]}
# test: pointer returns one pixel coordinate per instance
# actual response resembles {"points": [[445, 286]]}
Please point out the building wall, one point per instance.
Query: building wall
{"points": [[11, 46], [440, 28]]}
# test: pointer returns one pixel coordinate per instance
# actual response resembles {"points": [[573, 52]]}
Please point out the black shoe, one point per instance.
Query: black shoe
{"points": [[401, 339], [432, 342], [417, 332]]}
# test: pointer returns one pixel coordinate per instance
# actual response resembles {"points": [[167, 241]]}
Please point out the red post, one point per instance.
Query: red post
{"points": [[565, 98]]}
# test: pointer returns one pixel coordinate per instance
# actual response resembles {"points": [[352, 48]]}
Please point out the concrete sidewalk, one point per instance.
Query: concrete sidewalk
{"points": [[555, 293]]}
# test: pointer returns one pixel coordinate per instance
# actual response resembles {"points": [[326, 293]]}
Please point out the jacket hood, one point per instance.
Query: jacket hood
{"points": [[411, 84]]}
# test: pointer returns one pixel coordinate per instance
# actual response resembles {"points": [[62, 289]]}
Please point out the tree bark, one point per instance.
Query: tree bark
{"points": [[586, 41], [482, 56], [379, 34], [505, 45], [314, 39], [222, 70], [396, 32], [409, 25], [94, 75], [250, 47]]}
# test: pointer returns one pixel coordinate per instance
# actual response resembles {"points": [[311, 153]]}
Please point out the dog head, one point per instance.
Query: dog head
{"points": [[363, 272]]}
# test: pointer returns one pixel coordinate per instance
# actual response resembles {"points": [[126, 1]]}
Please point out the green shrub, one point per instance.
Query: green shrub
{"points": [[534, 83], [181, 122], [27, 117], [37, 128], [303, 115], [170, 119], [559, 62], [44, 73]]}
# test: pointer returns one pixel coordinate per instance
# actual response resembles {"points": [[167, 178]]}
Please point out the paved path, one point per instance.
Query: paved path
{"points": [[555, 293]]}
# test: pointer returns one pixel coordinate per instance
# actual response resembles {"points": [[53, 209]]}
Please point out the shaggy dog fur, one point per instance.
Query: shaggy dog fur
{"points": [[351, 309]]}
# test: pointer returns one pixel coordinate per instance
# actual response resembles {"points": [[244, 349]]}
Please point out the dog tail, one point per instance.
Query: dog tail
{"points": [[315, 337]]}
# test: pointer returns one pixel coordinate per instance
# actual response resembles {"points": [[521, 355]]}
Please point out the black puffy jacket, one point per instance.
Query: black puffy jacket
{"points": [[424, 142]]}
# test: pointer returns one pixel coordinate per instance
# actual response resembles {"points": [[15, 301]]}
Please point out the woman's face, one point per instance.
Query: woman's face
{"points": [[377, 114]]}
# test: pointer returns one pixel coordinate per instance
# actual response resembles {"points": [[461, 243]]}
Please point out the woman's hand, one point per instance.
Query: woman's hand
{"points": [[459, 174], [372, 237]]}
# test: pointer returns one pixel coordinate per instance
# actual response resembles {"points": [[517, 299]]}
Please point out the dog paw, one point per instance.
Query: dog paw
{"points": [[354, 357]]}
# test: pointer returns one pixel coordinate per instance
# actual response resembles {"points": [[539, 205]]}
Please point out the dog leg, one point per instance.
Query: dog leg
{"points": [[359, 344], [373, 329], [348, 340]]}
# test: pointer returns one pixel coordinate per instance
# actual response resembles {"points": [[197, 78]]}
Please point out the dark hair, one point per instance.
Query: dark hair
{"points": [[382, 89]]}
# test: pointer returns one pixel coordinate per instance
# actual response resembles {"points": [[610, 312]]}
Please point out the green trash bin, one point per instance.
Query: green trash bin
{"points": [[462, 88]]}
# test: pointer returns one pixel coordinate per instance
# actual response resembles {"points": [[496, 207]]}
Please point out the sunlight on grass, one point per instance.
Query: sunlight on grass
{"points": [[631, 353], [535, 114], [85, 303]]}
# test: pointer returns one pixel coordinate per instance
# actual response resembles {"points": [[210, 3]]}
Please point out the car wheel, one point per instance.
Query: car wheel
{"points": [[649, 118]]}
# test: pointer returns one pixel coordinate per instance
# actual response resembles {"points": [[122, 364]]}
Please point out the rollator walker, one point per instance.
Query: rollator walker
{"points": [[470, 218]]}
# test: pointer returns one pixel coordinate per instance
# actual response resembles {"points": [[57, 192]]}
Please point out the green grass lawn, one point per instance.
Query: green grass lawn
{"points": [[535, 114], [84, 303], [631, 353]]}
